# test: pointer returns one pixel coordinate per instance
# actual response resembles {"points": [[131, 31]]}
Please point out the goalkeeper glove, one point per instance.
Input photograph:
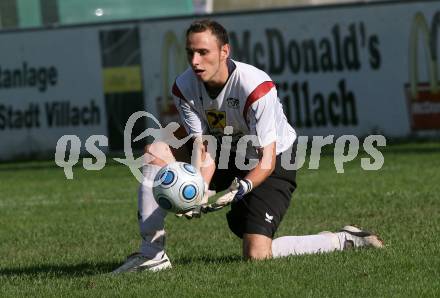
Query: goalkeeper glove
{"points": [[235, 192], [197, 211]]}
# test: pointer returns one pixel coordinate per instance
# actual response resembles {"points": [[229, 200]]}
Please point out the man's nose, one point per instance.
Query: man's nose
{"points": [[195, 60]]}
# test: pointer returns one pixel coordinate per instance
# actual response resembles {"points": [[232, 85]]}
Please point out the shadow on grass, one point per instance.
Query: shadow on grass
{"points": [[209, 260], [83, 269], [87, 269]]}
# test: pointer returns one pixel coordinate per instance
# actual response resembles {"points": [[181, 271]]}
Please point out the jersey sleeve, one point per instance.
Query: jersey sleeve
{"points": [[261, 117], [188, 115]]}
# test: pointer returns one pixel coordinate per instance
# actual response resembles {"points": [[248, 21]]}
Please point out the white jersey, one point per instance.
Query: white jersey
{"points": [[248, 103]]}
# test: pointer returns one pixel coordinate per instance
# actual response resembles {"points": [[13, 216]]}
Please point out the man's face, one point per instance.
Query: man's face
{"points": [[207, 58]]}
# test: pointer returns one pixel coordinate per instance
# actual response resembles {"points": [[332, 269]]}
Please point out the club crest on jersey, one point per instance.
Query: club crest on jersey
{"points": [[216, 119], [233, 103]]}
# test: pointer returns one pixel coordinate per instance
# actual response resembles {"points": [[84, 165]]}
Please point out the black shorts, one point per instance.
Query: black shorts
{"points": [[261, 210]]}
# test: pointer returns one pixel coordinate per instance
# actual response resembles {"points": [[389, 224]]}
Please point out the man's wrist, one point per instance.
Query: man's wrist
{"points": [[245, 187]]}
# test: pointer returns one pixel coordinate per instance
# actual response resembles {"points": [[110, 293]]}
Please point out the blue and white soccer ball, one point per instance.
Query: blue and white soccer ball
{"points": [[178, 187]]}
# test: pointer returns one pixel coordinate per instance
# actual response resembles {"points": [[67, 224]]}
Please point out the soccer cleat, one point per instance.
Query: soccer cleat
{"points": [[356, 237], [137, 262]]}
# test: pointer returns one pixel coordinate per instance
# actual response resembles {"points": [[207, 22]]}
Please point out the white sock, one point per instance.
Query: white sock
{"points": [[151, 217], [310, 244]]}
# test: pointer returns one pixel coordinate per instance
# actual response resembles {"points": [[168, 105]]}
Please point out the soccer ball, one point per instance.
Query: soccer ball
{"points": [[178, 187]]}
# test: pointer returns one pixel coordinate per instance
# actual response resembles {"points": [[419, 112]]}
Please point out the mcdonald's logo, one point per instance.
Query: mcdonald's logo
{"points": [[424, 97]]}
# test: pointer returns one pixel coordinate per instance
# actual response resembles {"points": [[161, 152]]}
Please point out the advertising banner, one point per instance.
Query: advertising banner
{"points": [[356, 69], [351, 69], [50, 85]]}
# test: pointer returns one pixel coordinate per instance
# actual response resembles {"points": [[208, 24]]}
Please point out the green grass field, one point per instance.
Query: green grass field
{"points": [[60, 237]]}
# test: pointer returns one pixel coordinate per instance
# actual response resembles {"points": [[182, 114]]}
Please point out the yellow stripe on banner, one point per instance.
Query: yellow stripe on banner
{"points": [[122, 79]]}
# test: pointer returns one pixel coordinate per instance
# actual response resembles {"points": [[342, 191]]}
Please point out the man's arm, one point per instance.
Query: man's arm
{"points": [[202, 160], [261, 117], [265, 166], [254, 178]]}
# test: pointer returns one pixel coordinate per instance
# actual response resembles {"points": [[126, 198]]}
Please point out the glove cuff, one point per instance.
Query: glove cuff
{"points": [[246, 185]]}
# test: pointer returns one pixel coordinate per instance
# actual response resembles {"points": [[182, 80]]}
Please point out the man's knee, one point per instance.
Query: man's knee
{"points": [[161, 153], [257, 247]]}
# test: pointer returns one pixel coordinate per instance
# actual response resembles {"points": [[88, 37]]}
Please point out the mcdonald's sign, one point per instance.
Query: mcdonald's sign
{"points": [[424, 97]]}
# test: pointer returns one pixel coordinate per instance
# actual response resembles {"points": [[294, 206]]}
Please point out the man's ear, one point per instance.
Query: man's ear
{"points": [[225, 51]]}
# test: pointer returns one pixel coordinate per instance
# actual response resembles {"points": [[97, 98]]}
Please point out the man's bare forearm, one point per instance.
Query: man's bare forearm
{"points": [[265, 166], [203, 161]]}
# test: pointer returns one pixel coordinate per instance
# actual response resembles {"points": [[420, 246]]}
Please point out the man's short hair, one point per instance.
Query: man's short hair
{"points": [[202, 25]]}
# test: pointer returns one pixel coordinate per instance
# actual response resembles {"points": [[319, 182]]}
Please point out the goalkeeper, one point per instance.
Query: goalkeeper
{"points": [[220, 97]]}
